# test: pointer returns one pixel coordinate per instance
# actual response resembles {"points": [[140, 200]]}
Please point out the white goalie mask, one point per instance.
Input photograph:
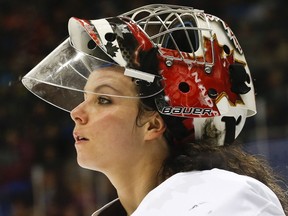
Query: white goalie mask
{"points": [[201, 76]]}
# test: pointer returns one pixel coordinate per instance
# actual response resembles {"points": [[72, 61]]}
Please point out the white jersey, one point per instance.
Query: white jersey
{"points": [[211, 193]]}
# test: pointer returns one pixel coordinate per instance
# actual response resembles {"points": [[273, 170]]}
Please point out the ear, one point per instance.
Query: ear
{"points": [[155, 127]]}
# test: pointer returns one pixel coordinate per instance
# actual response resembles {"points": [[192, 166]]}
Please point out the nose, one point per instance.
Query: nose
{"points": [[79, 114]]}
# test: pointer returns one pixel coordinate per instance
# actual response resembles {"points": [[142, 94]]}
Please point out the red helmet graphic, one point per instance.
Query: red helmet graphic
{"points": [[188, 62]]}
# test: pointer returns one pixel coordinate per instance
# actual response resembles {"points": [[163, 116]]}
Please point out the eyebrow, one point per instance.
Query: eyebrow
{"points": [[98, 88]]}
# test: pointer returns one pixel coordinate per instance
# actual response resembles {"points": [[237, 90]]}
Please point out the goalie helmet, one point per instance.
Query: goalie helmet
{"points": [[187, 61]]}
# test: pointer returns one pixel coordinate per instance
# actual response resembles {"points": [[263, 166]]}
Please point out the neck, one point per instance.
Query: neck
{"points": [[133, 183], [136, 188]]}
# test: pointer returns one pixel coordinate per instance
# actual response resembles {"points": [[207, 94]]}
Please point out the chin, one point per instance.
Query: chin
{"points": [[86, 165]]}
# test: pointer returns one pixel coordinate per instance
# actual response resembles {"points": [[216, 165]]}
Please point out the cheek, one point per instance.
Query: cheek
{"points": [[116, 126]]}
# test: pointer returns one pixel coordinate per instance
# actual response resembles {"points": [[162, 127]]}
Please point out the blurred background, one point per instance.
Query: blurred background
{"points": [[39, 175]]}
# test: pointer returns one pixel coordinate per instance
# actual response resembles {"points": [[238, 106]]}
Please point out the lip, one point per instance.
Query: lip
{"points": [[79, 139]]}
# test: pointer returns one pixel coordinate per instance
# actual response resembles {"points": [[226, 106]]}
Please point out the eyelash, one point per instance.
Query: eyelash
{"points": [[103, 100]]}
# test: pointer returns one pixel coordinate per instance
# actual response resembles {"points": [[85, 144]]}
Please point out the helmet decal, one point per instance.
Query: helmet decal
{"points": [[239, 78], [228, 30], [193, 87]]}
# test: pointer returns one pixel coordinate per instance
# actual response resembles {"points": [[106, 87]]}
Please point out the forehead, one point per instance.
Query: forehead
{"points": [[111, 78]]}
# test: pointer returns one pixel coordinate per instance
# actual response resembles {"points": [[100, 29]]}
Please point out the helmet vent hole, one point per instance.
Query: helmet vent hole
{"points": [[226, 49], [91, 45], [212, 93], [110, 36], [184, 87]]}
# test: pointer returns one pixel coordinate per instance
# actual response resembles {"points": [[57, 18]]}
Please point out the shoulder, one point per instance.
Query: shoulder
{"points": [[214, 192]]}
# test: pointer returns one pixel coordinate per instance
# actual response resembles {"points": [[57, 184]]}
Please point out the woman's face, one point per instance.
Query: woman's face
{"points": [[106, 134]]}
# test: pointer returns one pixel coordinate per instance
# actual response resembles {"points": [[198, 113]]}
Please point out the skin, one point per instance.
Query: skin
{"points": [[129, 154]]}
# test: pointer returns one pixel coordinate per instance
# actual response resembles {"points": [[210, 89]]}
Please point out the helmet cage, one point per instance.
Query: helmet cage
{"points": [[163, 23]]}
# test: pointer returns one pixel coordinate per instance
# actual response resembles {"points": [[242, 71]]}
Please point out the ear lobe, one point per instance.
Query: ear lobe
{"points": [[155, 127]]}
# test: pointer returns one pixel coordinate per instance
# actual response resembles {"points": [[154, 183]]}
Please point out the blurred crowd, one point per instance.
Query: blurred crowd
{"points": [[38, 171]]}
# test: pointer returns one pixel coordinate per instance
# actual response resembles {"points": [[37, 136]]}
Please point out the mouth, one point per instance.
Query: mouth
{"points": [[79, 138]]}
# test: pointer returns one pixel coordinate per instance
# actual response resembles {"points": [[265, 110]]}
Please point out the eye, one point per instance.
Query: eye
{"points": [[103, 100]]}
